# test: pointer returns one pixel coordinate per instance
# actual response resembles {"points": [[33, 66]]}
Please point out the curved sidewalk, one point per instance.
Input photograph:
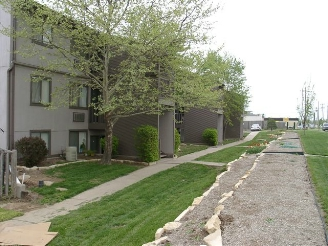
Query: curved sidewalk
{"points": [[96, 193]]}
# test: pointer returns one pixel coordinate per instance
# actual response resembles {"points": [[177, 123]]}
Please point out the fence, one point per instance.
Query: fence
{"points": [[8, 172]]}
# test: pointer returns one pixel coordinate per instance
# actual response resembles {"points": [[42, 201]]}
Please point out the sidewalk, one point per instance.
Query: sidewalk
{"points": [[96, 193]]}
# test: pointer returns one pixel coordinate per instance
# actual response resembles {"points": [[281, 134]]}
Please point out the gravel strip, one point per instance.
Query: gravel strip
{"points": [[273, 206], [192, 232]]}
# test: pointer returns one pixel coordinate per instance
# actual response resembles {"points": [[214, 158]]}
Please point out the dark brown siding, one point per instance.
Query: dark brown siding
{"points": [[125, 129], [195, 122], [234, 131]]}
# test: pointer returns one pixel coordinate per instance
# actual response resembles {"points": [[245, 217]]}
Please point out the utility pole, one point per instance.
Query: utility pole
{"points": [[318, 116], [323, 115]]}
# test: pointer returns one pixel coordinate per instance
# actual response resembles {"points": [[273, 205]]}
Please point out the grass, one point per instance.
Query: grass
{"points": [[230, 154], [318, 168], [132, 216], [80, 177], [186, 149], [225, 155], [316, 143], [6, 214]]}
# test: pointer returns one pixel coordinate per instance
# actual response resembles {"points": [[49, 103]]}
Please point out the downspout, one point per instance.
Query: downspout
{"points": [[11, 89]]}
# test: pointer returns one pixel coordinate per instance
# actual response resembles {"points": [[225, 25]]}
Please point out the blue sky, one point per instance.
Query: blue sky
{"points": [[283, 44]]}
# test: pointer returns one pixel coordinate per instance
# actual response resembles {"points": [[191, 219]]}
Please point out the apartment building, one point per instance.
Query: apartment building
{"points": [[24, 95]]}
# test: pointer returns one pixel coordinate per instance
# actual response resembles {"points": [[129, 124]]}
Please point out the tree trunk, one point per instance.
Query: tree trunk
{"points": [[109, 125]]}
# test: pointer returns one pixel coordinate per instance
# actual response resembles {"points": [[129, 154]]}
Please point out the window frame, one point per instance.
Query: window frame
{"points": [[42, 78], [78, 106], [42, 39], [49, 137], [86, 139]]}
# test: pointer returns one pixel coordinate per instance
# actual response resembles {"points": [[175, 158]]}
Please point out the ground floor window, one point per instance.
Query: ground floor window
{"points": [[44, 135], [79, 140]]}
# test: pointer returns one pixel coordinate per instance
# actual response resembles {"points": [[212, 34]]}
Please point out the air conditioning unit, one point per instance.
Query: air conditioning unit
{"points": [[78, 117]]}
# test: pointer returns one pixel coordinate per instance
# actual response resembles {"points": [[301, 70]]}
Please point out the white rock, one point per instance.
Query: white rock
{"points": [[170, 226], [61, 189], [48, 183], [159, 233], [214, 239], [197, 200], [213, 224]]}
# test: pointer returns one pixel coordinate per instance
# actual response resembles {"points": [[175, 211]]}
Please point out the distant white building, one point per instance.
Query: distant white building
{"points": [[250, 119]]}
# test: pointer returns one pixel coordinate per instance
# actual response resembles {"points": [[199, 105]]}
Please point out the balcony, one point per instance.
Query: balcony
{"points": [[96, 122]]}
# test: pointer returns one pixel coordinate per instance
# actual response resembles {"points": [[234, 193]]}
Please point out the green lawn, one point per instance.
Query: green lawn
{"points": [[315, 142], [132, 216], [225, 155], [79, 177], [232, 153], [6, 214], [186, 149]]}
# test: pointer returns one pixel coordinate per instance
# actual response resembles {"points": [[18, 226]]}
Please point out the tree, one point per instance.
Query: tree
{"points": [[229, 74], [135, 53], [306, 108], [272, 124]]}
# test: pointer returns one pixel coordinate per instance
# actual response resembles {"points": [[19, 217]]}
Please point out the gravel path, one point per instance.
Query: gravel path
{"points": [[273, 206]]}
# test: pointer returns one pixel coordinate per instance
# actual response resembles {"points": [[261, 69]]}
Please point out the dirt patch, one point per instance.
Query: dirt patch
{"points": [[31, 200]]}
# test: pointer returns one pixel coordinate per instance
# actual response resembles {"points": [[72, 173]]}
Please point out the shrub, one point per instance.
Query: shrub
{"points": [[146, 140], [210, 136], [32, 149], [114, 145], [255, 149], [177, 141]]}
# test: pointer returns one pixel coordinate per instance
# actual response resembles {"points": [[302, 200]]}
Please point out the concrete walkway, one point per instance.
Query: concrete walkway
{"points": [[96, 193]]}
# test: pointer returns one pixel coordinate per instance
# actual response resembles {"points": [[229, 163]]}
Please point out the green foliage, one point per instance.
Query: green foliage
{"points": [[210, 136], [272, 124], [146, 140], [255, 149], [115, 143], [6, 214], [132, 216], [32, 149], [186, 149], [79, 177], [177, 141], [314, 142], [224, 156]]}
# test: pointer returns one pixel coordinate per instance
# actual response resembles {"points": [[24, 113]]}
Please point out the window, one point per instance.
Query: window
{"points": [[79, 140], [45, 38], [40, 90], [79, 97], [44, 135]]}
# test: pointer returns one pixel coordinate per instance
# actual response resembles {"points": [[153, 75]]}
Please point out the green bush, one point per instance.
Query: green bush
{"points": [[255, 149], [146, 140], [177, 141], [210, 136], [114, 145], [33, 150]]}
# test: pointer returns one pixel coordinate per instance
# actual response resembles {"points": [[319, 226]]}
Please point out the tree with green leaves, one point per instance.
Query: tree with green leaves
{"points": [[138, 54], [305, 109], [229, 74], [271, 124]]}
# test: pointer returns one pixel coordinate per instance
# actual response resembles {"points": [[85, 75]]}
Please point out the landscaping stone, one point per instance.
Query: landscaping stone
{"points": [[61, 189], [170, 226], [213, 224]]}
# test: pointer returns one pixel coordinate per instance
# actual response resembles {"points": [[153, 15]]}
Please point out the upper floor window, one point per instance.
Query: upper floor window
{"points": [[79, 97], [40, 90], [45, 38]]}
